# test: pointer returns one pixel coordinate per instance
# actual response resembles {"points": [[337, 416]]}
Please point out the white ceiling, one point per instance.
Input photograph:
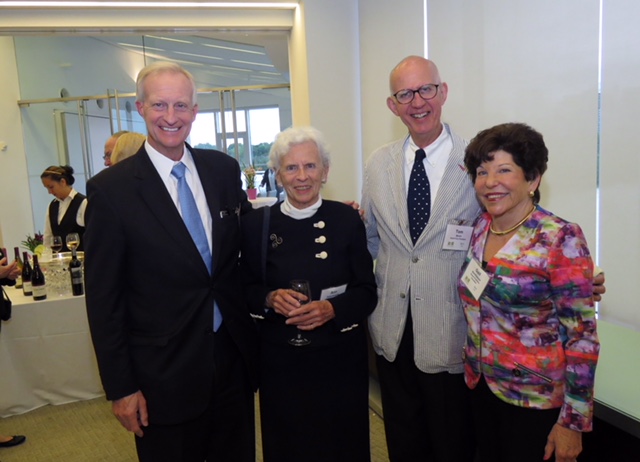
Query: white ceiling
{"points": [[226, 58]]}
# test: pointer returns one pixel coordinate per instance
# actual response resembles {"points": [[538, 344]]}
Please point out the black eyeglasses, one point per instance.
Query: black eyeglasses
{"points": [[426, 92]]}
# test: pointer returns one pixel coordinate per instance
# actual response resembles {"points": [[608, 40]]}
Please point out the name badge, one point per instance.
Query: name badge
{"points": [[331, 292], [475, 279], [457, 237]]}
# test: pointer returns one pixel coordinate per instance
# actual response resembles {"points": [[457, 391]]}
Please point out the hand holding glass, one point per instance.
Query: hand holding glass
{"points": [[302, 286]]}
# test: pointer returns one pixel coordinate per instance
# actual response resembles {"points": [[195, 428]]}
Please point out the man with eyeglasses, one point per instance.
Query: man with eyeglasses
{"points": [[109, 145], [176, 346], [418, 327]]}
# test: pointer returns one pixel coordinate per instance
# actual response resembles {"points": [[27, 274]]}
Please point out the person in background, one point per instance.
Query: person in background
{"points": [[8, 275], [126, 146], [65, 213], [109, 145], [10, 441], [314, 397], [176, 346], [266, 181], [418, 327], [531, 350]]}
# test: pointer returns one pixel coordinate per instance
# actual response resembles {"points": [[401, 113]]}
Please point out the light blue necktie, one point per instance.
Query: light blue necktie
{"points": [[192, 220]]}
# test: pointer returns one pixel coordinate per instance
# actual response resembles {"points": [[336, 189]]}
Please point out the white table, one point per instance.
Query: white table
{"points": [[46, 355]]}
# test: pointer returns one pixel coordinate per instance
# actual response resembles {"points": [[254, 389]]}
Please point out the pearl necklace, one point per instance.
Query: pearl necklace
{"points": [[502, 233]]}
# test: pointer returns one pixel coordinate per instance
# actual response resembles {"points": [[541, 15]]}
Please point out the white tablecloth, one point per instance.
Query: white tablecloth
{"points": [[46, 355], [263, 202]]}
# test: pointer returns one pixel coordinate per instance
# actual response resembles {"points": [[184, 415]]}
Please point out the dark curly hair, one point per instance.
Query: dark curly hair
{"points": [[525, 145], [58, 172]]}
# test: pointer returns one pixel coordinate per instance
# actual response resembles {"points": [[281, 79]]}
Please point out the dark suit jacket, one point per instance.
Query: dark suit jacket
{"points": [[149, 294], [292, 251]]}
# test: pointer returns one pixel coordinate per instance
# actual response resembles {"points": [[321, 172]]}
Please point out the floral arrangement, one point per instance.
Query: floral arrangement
{"points": [[32, 243], [250, 176]]}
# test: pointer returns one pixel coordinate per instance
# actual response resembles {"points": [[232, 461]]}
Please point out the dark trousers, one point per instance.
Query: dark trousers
{"points": [[225, 432], [427, 417], [508, 433]]}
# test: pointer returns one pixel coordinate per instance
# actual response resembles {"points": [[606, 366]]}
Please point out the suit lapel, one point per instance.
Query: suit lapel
{"points": [[158, 200], [455, 177], [398, 189]]}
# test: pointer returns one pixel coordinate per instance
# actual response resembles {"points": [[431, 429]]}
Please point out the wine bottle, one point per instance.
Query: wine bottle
{"points": [[75, 270], [26, 275], [18, 260], [38, 283]]}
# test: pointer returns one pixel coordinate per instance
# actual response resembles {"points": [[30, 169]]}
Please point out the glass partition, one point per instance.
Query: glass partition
{"points": [[76, 91]]}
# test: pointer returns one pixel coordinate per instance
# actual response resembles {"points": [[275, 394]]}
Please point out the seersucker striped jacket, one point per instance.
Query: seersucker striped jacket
{"points": [[424, 274]]}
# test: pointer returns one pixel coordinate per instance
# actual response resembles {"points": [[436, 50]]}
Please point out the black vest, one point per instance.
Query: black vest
{"points": [[68, 224]]}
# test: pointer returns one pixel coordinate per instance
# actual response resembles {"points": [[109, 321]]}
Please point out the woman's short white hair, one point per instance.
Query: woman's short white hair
{"points": [[288, 138]]}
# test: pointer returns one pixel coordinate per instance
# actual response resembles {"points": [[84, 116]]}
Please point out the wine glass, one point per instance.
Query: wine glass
{"points": [[73, 241], [302, 286], [56, 244]]}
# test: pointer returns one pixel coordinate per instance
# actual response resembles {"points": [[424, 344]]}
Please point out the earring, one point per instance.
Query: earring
{"points": [[531, 193]]}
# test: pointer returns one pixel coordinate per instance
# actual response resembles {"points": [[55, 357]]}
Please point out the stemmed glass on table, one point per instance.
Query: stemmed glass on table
{"points": [[56, 244], [73, 241], [302, 286]]}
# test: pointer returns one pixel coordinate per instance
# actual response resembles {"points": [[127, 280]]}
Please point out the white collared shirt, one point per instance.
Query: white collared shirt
{"points": [[164, 165], [62, 209], [435, 163]]}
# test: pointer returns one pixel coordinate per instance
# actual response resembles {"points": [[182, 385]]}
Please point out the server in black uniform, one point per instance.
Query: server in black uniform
{"points": [[313, 386], [66, 212]]}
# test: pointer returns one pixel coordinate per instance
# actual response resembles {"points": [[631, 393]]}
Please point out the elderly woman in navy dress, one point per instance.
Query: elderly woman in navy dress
{"points": [[313, 394]]}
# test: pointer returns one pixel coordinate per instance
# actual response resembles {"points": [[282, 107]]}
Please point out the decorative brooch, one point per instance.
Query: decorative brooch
{"points": [[275, 240]]}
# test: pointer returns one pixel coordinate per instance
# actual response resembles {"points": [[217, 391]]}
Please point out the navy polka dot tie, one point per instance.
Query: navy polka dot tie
{"points": [[418, 197]]}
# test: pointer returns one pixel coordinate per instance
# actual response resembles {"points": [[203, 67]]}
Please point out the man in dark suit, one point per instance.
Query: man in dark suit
{"points": [[174, 341]]}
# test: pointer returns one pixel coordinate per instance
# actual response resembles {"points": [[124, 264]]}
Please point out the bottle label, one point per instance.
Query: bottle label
{"points": [[39, 291], [26, 287], [76, 275], [19, 282]]}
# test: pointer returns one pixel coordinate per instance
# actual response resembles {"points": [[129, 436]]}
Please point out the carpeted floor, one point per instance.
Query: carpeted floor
{"points": [[86, 431]]}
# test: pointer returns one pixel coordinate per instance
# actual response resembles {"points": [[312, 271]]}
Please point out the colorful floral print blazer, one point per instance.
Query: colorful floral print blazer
{"points": [[533, 331]]}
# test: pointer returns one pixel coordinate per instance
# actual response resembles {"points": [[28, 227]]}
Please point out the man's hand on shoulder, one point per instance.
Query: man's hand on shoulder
{"points": [[355, 206]]}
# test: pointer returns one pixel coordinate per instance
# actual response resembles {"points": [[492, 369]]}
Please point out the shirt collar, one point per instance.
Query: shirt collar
{"points": [[164, 165], [432, 151]]}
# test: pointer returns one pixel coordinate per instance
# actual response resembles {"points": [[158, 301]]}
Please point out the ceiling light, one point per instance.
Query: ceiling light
{"points": [[126, 4], [233, 49], [169, 39], [249, 62], [131, 45], [196, 55]]}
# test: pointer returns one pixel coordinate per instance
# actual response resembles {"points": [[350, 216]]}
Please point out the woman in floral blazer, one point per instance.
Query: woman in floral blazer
{"points": [[526, 287]]}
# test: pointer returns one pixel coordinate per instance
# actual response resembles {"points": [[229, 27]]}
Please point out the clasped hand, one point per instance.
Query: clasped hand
{"points": [[291, 305]]}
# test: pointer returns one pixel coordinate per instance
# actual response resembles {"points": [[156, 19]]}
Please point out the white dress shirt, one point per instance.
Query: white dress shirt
{"points": [[435, 162], [62, 209], [164, 165]]}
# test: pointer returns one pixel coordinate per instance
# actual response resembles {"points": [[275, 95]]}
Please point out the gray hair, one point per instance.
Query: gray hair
{"points": [[160, 67], [288, 138]]}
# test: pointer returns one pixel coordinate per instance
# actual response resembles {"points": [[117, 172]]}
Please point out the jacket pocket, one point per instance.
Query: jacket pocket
{"points": [[520, 369]]}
